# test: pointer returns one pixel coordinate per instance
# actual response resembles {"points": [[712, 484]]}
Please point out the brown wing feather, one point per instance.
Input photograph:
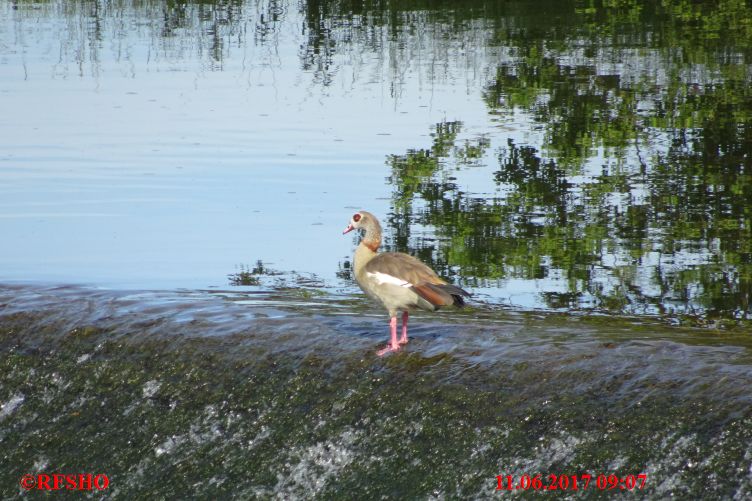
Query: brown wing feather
{"points": [[433, 294], [441, 295], [426, 283]]}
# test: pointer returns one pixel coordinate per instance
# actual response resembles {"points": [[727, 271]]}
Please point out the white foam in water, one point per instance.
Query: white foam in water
{"points": [[555, 450], [261, 436], [197, 434], [558, 449], [315, 465], [11, 405], [40, 464], [169, 445], [617, 463], [746, 485], [668, 472], [151, 388]]}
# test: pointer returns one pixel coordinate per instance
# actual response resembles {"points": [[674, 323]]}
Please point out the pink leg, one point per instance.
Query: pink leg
{"points": [[393, 345], [403, 339]]}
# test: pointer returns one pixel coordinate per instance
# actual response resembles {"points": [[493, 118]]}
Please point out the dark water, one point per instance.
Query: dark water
{"points": [[272, 396], [186, 169]]}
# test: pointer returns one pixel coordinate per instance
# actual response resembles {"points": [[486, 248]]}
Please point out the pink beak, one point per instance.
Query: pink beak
{"points": [[349, 228]]}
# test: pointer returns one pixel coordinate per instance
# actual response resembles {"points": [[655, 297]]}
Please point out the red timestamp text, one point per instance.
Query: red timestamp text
{"points": [[583, 481]]}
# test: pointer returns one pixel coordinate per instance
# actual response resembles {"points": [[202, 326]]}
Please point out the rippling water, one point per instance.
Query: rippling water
{"points": [[186, 169], [272, 395]]}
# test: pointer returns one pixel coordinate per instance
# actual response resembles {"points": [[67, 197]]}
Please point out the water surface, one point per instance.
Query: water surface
{"points": [[176, 299], [595, 157], [270, 396]]}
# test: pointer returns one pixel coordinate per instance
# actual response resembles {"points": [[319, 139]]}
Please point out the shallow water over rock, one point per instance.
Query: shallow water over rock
{"points": [[270, 395]]}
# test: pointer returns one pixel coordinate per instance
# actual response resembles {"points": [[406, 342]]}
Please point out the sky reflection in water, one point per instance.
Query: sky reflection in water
{"points": [[566, 162], [145, 165]]}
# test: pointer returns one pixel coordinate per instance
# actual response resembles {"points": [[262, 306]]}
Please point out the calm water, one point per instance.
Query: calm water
{"points": [[592, 157], [165, 148], [175, 292]]}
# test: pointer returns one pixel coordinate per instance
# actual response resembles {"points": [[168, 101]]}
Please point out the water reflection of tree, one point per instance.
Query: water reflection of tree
{"points": [[177, 30], [660, 94], [684, 246], [655, 96]]}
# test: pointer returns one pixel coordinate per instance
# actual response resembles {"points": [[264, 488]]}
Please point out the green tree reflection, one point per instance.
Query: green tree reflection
{"points": [[683, 247], [639, 196]]}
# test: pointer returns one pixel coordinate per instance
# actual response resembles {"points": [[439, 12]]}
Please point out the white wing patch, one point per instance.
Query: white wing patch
{"points": [[383, 278]]}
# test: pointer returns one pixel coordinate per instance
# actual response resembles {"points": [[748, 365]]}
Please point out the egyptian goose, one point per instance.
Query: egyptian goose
{"points": [[399, 281]]}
